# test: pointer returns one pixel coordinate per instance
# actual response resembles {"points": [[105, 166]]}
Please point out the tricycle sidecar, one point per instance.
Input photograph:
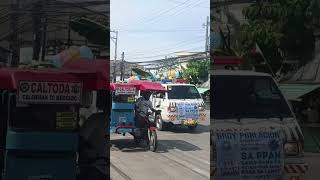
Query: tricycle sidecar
{"points": [[123, 114]]}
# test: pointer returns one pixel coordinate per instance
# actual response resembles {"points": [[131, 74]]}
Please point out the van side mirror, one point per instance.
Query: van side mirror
{"points": [[158, 106]]}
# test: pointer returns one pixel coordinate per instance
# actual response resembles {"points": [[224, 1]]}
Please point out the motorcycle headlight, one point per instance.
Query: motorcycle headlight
{"points": [[291, 148]]}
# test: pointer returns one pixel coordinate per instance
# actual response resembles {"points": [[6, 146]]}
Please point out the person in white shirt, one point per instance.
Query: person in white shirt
{"points": [[143, 104]]}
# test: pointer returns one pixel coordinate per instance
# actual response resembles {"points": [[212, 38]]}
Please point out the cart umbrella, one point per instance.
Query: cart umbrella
{"points": [[94, 73], [148, 86], [10, 78]]}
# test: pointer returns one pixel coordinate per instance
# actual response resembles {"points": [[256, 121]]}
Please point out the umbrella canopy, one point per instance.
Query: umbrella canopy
{"points": [[94, 73], [10, 78], [148, 86]]}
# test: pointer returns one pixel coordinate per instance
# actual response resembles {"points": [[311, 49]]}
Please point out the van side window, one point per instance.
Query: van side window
{"points": [[264, 89]]}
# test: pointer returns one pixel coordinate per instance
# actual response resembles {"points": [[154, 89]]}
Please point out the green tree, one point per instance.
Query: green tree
{"points": [[197, 71], [289, 25]]}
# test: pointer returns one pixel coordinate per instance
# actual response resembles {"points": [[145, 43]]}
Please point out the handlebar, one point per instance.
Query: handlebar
{"points": [[157, 112]]}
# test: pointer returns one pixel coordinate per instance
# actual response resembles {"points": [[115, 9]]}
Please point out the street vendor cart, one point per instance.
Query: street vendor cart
{"points": [[40, 112]]}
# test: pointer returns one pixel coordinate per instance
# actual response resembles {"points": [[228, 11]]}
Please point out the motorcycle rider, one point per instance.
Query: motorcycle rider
{"points": [[143, 104]]}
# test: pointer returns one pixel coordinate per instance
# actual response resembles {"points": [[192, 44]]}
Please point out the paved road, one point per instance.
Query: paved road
{"points": [[181, 155]]}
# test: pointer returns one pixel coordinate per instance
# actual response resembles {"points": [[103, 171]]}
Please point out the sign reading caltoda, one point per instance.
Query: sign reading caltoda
{"points": [[42, 92], [125, 90]]}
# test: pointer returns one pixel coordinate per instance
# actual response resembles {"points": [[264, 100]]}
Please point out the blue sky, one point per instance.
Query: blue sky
{"points": [[153, 29]]}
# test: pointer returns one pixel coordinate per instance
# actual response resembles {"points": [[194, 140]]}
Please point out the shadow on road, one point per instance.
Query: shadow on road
{"points": [[128, 145], [167, 145], [199, 130]]}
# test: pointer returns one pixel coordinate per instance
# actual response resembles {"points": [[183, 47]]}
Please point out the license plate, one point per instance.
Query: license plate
{"points": [[188, 122], [122, 119]]}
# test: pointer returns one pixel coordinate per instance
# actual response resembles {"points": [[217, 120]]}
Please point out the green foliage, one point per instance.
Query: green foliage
{"points": [[197, 71], [290, 25]]}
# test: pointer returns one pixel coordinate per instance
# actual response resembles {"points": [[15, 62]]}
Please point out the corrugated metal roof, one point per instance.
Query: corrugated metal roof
{"points": [[296, 91]]}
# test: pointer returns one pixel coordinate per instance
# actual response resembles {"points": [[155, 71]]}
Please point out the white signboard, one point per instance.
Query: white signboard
{"points": [[125, 90], [43, 92], [188, 110], [249, 155]]}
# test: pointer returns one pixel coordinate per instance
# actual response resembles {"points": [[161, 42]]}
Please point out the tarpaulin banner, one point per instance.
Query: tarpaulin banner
{"points": [[249, 154], [49, 92], [188, 110]]}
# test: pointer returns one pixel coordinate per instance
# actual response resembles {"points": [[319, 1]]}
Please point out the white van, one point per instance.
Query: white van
{"points": [[254, 133], [182, 104]]}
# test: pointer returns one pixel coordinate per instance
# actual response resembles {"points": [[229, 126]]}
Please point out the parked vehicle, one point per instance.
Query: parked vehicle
{"points": [[181, 105], [254, 132]]}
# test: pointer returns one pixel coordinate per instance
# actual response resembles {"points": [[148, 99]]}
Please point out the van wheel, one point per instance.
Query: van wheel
{"points": [[159, 123]]}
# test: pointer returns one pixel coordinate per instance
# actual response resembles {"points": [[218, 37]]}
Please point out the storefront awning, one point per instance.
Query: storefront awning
{"points": [[296, 91]]}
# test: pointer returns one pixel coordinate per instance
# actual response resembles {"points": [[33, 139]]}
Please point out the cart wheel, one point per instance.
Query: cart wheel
{"points": [[153, 140]]}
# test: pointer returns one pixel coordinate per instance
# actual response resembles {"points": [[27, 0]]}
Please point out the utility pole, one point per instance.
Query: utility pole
{"points": [[69, 32], [36, 17], [207, 45], [115, 40], [44, 38], [122, 67], [14, 44]]}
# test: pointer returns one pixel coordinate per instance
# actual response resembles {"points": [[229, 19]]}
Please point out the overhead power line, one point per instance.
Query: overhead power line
{"points": [[167, 49], [163, 59], [179, 11], [166, 46], [167, 54], [207, 7], [157, 15], [162, 31]]}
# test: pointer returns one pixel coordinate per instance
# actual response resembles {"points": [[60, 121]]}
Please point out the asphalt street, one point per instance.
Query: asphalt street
{"points": [[182, 154]]}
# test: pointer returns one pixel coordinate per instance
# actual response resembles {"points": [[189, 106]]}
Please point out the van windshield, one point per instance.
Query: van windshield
{"points": [[183, 92], [247, 97]]}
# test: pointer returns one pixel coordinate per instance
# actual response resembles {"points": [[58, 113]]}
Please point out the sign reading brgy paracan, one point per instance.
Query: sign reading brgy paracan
{"points": [[41, 92], [249, 154]]}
